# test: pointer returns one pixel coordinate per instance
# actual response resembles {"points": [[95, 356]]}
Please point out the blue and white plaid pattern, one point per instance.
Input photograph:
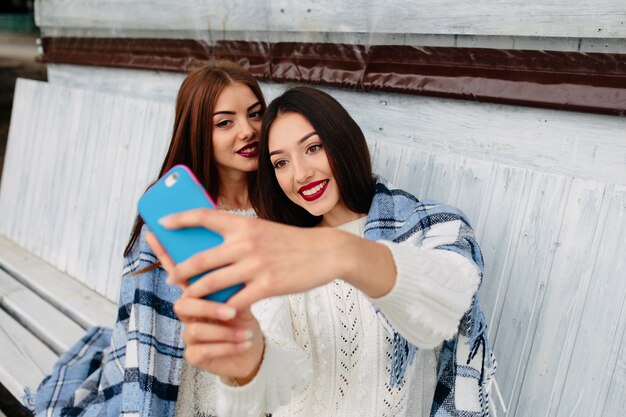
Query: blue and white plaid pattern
{"points": [[134, 370], [466, 364]]}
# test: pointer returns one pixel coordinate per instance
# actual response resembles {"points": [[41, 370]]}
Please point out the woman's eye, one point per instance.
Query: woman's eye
{"points": [[279, 164], [314, 148], [256, 114], [223, 123]]}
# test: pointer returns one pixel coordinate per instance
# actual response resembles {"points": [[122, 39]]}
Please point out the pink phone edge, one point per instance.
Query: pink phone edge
{"points": [[193, 177]]}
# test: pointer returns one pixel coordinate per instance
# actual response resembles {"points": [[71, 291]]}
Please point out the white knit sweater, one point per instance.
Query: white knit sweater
{"points": [[328, 353]]}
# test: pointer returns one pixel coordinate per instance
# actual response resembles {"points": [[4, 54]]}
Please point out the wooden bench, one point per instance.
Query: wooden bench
{"points": [[545, 191], [43, 313]]}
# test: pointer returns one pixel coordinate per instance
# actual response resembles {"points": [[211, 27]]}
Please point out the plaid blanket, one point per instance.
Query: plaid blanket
{"points": [[134, 369]]}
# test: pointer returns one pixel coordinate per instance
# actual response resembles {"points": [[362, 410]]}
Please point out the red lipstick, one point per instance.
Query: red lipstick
{"points": [[251, 150], [319, 186]]}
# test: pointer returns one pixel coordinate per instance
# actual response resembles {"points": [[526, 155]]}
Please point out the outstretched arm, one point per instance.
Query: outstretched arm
{"points": [[275, 259]]}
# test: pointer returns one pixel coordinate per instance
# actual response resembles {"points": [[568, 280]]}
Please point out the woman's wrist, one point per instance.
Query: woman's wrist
{"points": [[371, 266]]}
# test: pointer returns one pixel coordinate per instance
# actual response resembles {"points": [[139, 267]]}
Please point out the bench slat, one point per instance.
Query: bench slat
{"points": [[72, 298], [24, 359], [50, 325]]}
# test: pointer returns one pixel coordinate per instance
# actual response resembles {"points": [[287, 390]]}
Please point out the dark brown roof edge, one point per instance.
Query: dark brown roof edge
{"points": [[593, 82]]}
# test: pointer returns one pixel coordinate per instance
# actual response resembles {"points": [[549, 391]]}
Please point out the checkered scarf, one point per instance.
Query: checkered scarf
{"points": [[134, 369], [467, 364]]}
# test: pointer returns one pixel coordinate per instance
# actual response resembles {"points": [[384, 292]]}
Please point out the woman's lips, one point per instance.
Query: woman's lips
{"points": [[251, 150], [313, 190]]}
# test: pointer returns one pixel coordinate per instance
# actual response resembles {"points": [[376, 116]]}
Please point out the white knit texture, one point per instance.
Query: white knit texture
{"points": [[329, 353]]}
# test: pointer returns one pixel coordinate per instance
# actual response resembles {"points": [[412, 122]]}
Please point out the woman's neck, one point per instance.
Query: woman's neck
{"points": [[233, 192], [334, 220]]}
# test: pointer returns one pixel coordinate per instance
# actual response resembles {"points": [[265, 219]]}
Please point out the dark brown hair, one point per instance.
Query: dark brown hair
{"points": [[345, 148], [192, 135]]}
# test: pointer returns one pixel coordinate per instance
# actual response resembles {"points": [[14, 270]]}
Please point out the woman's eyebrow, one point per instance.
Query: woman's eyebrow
{"points": [[305, 137], [258, 103]]}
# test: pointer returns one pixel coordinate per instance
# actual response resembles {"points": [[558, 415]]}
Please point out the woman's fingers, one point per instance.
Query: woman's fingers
{"points": [[203, 309], [250, 294], [218, 280], [201, 262], [201, 353], [215, 220], [204, 332]]}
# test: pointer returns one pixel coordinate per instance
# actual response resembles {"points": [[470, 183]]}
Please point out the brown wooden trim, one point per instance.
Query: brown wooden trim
{"points": [[565, 80]]}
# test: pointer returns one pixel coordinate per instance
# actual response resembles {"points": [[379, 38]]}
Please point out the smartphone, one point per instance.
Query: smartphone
{"points": [[176, 191]]}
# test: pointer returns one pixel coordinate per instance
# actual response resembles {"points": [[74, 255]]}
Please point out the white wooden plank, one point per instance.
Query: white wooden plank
{"points": [[88, 197], [14, 179], [54, 185], [99, 265], [24, 360], [414, 171], [528, 280], [385, 158], [153, 145], [603, 18], [75, 154], [95, 190], [62, 142], [28, 215], [601, 328], [566, 143], [50, 325], [69, 296], [91, 198], [38, 217], [150, 85], [564, 300], [81, 167], [118, 187], [475, 180], [604, 45], [16, 155], [445, 178], [130, 195], [499, 237], [616, 396]]}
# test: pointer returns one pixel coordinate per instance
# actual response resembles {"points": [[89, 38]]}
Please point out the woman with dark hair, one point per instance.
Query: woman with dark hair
{"points": [[137, 368], [368, 307]]}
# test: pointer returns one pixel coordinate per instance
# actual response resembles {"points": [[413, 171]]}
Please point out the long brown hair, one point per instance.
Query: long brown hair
{"points": [[345, 147], [192, 135]]}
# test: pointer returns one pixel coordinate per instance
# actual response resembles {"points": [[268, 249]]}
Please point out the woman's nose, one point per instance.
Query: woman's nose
{"points": [[246, 130], [303, 172]]}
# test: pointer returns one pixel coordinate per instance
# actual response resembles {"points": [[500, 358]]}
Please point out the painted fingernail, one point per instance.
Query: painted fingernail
{"points": [[244, 334], [164, 221], [244, 346], [226, 313]]}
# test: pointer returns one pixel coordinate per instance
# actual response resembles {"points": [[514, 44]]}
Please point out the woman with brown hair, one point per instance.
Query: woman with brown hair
{"points": [[368, 307], [137, 367]]}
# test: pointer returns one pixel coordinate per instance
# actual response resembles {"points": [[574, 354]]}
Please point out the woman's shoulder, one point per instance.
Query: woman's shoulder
{"points": [[140, 255], [396, 211], [388, 195]]}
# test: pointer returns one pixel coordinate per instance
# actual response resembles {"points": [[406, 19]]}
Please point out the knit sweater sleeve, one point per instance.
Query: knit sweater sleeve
{"points": [[285, 367], [435, 283]]}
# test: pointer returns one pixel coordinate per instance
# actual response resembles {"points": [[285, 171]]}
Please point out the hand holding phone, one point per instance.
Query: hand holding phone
{"points": [[177, 191]]}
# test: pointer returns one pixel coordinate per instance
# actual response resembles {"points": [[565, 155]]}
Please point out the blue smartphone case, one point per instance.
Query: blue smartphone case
{"points": [[179, 190]]}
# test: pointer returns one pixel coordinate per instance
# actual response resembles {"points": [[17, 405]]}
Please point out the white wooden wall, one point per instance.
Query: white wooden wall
{"points": [[601, 18], [545, 190], [569, 25], [75, 165]]}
